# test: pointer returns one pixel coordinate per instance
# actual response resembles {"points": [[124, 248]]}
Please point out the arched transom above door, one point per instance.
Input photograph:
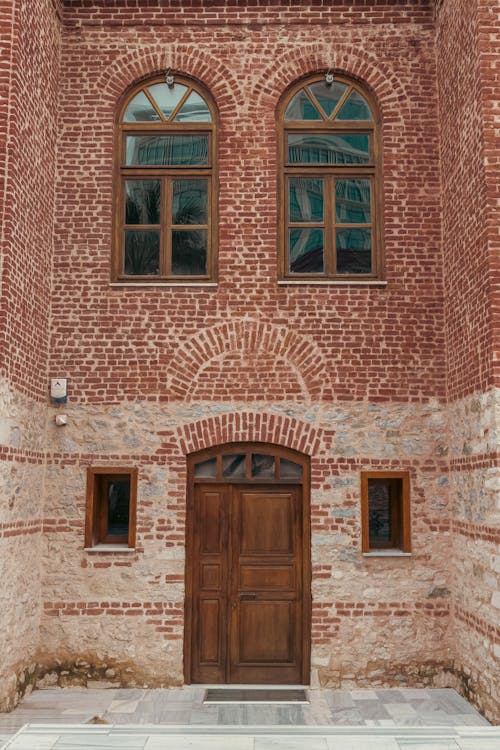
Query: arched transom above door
{"points": [[248, 462]]}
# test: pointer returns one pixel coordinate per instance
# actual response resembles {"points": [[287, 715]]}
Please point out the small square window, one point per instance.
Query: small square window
{"points": [[111, 507], [385, 511]]}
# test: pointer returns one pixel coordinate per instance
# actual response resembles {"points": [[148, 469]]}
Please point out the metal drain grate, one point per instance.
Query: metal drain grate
{"points": [[214, 695]]}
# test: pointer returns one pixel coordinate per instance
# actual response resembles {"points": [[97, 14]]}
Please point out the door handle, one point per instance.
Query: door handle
{"points": [[248, 596]]}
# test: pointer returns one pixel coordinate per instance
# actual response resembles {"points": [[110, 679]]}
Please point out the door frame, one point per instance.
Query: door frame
{"points": [[305, 482]]}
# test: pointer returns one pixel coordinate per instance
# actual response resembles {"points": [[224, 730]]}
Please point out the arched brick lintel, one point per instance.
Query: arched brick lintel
{"points": [[131, 67], [252, 426], [249, 336], [360, 64]]}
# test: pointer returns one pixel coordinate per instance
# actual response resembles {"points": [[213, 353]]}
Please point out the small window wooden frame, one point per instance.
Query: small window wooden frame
{"points": [[330, 173], [399, 488], [165, 175], [96, 517]]}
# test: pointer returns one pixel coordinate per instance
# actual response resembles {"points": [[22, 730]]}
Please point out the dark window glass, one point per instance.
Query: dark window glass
{"points": [[167, 150], [142, 252], [384, 512], [143, 202], [206, 469], [189, 252], [263, 465], [306, 199], [118, 507], [352, 201], [328, 96], [306, 250], [328, 148], [233, 465], [289, 469], [354, 251], [189, 202]]}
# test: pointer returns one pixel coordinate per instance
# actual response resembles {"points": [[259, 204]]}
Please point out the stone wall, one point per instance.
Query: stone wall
{"points": [[28, 106]]}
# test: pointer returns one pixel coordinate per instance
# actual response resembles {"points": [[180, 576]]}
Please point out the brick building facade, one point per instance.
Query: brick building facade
{"points": [[390, 374]]}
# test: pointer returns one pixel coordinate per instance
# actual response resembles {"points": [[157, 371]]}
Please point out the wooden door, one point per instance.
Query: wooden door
{"points": [[249, 612]]}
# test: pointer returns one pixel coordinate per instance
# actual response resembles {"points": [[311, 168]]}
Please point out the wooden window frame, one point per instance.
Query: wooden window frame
{"points": [[330, 172], [97, 506], [166, 175], [401, 534]]}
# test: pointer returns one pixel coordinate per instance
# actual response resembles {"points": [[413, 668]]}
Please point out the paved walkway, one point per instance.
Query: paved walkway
{"points": [[177, 719]]}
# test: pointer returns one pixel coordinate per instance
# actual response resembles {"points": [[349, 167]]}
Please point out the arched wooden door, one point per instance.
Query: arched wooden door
{"points": [[248, 594]]}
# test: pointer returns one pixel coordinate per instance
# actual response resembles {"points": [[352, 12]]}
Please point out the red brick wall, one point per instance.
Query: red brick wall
{"points": [[27, 143], [377, 343]]}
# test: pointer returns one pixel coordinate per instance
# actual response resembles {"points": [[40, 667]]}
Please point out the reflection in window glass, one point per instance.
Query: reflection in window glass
{"points": [[352, 201], [206, 469], [302, 108], [355, 108], [306, 250], [306, 199], [118, 507], [262, 466], [189, 202], [233, 465], [194, 109], [140, 109], [167, 150], [354, 251], [143, 202], [328, 96], [167, 97], [328, 148], [289, 469], [142, 252], [189, 252]]}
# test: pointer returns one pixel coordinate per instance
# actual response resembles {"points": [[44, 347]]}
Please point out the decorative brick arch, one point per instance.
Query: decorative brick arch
{"points": [[356, 62], [253, 426], [131, 67], [249, 337]]}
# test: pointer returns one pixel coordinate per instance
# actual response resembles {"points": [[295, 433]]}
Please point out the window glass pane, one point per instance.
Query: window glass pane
{"points": [[328, 148], [306, 199], [384, 512], [306, 250], [354, 251], [352, 201], [189, 252], [140, 109], [194, 109], [189, 202], [167, 97], [233, 465], [142, 202], [206, 469], [328, 96], [142, 252], [302, 108], [118, 507], [262, 465], [289, 469], [167, 150], [355, 108]]}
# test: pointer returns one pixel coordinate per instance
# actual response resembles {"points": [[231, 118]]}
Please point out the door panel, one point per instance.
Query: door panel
{"points": [[247, 587]]}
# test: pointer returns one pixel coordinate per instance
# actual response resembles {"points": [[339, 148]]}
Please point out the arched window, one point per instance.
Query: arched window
{"points": [[165, 220], [330, 182]]}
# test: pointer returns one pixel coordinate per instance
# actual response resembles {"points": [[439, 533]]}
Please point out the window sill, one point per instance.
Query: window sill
{"points": [[332, 282], [387, 553], [170, 284], [109, 548]]}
